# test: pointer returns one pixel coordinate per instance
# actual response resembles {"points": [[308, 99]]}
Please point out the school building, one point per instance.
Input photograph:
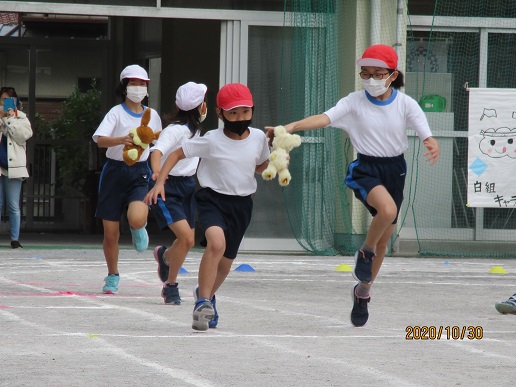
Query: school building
{"points": [[48, 49]]}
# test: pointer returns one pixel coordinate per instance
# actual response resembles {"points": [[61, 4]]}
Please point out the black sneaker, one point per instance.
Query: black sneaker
{"points": [[16, 245], [359, 313], [159, 256], [364, 266], [170, 294]]}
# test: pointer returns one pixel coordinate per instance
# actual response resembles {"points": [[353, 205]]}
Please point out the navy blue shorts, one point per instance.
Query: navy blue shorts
{"points": [[367, 172], [121, 184], [230, 212], [178, 204]]}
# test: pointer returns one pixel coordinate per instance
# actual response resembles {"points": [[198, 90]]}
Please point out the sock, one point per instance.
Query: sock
{"points": [[114, 274], [171, 284], [365, 248], [361, 291]]}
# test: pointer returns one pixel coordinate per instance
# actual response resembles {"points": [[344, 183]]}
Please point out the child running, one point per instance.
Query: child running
{"points": [[177, 211], [230, 157], [121, 185], [376, 121]]}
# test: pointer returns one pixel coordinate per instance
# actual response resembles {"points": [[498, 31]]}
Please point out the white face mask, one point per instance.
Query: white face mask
{"points": [[202, 117], [136, 93], [376, 87]]}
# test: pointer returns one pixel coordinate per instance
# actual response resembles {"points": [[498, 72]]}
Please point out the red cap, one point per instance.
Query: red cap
{"points": [[234, 95], [379, 55]]}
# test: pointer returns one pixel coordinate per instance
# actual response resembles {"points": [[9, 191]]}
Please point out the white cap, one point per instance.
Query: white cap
{"points": [[134, 71], [190, 95]]}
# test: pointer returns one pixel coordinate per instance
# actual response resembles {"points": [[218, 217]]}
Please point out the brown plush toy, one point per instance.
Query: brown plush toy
{"points": [[143, 135]]}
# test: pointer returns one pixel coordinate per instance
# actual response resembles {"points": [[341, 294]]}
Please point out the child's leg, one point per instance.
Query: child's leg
{"points": [[222, 272], [380, 199], [216, 245], [137, 213], [381, 248], [175, 255], [110, 245]]}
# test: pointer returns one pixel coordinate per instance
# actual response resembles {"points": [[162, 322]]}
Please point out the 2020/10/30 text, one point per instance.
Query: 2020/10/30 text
{"points": [[433, 332]]}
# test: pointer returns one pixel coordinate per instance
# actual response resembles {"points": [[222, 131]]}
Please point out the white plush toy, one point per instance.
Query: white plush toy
{"points": [[282, 144]]}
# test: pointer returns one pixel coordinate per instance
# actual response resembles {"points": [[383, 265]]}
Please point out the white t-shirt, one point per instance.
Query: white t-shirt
{"points": [[172, 138], [228, 166], [117, 123], [379, 128]]}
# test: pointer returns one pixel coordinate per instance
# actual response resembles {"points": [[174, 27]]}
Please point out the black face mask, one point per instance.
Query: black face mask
{"points": [[237, 127]]}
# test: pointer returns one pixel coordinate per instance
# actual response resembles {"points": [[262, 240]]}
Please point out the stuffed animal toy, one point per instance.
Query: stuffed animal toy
{"points": [[282, 144], [143, 135]]}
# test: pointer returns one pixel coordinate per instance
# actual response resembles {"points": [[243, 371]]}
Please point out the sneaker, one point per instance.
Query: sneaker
{"points": [[215, 320], [111, 286], [16, 245], [159, 256], [364, 266], [202, 314], [359, 313], [170, 294], [508, 306], [140, 239]]}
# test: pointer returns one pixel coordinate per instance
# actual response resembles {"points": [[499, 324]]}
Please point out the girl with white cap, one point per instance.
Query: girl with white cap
{"points": [[376, 121], [122, 186], [177, 211]]}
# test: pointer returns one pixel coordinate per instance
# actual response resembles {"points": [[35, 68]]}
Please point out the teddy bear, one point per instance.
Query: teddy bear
{"points": [[282, 144], [143, 135]]}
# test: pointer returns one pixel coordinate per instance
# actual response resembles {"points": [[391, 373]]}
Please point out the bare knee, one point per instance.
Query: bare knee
{"points": [[216, 246], [186, 241], [388, 213]]}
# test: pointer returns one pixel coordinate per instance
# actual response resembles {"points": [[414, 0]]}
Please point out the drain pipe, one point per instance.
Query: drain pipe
{"points": [[399, 27], [376, 21]]}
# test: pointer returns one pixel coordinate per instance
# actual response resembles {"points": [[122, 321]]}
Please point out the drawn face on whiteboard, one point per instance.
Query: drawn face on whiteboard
{"points": [[499, 142]]}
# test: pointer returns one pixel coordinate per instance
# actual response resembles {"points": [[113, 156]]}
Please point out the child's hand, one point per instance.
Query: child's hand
{"points": [[127, 140], [433, 150], [269, 133], [152, 195], [154, 176]]}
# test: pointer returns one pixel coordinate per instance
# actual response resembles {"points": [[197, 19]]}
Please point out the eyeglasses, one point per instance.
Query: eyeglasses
{"points": [[377, 76]]}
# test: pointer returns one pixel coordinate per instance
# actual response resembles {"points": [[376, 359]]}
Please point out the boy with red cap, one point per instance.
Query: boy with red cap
{"points": [[230, 157], [376, 121]]}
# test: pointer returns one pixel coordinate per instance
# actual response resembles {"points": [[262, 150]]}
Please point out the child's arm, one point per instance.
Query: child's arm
{"points": [[106, 141], [155, 160], [262, 167], [309, 123], [159, 187]]}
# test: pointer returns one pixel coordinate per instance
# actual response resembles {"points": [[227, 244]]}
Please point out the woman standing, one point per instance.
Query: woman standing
{"points": [[15, 131]]}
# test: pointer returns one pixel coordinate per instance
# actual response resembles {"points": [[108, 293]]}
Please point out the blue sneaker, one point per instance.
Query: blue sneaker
{"points": [[111, 286], [202, 314], [159, 256], [140, 239], [364, 266], [215, 320], [508, 306]]}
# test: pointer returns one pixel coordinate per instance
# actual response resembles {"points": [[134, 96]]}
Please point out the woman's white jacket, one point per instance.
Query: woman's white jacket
{"points": [[18, 130]]}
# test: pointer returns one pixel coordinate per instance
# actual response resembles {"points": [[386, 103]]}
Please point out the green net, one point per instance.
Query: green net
{"points": [[464, 42], [467, 43], [317, 204]]}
